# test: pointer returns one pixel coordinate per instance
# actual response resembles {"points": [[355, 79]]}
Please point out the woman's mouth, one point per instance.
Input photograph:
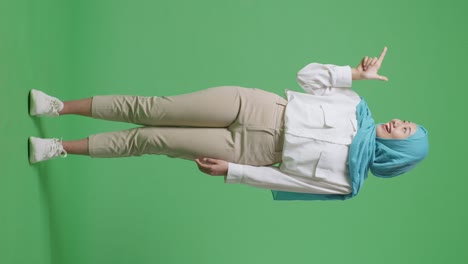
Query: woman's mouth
{"points": [[387, 128]]}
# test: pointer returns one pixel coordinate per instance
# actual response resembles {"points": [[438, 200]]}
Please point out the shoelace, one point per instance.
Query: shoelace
{"points": [[56, 149], [54, 106]]}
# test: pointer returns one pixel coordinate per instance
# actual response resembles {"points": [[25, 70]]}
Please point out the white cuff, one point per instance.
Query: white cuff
{"points": [[235, 172], [344, 76]]}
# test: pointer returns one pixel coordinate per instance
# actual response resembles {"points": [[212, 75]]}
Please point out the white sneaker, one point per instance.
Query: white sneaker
{"points": [[41, 149], [41, 104]]}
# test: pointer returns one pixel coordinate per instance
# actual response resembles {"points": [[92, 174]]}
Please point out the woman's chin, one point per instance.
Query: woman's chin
{"points": [[379, 131]]}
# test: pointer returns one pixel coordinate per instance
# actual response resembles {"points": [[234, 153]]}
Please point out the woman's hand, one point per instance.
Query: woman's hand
{"points": [[213, 167], [369, 67]]}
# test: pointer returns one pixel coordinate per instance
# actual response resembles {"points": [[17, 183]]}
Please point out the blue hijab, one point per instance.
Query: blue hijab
{"points": [[394, 157], [384, 157]]}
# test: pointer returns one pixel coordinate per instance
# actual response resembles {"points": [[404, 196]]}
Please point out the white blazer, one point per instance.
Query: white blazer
{"points": [[319, 128]]}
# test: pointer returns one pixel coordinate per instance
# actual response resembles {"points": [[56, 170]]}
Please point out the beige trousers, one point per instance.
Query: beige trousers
{"points": [[235, 124]]}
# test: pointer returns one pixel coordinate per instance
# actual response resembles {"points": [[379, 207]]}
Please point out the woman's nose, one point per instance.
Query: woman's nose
{"points": [[396, 122]]}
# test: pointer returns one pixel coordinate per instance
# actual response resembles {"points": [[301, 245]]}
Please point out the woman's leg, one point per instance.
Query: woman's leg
{"points": [[77, 147], [176, 142], [213, 107], [77, 107]]}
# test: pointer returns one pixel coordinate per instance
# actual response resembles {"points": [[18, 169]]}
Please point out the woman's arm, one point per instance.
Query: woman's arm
{"points": [[271, 177], [267, 177], [324, 79]]}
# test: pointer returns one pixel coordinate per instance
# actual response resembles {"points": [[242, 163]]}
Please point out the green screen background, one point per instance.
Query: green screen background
{"points": [[154, 209]]}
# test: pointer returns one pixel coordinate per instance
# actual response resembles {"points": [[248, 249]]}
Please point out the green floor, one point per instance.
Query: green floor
{"points": [[154, 209]]}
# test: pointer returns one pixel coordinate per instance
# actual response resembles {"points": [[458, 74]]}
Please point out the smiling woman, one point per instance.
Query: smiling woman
{"points": [[325, 139], [396, 129]]}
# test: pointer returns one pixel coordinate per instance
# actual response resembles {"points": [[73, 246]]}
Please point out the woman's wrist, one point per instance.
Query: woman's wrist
{"points": [[356, 74]]}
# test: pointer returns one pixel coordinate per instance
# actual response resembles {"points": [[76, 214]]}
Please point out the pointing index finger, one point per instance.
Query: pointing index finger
{"points": [[382, 55]]}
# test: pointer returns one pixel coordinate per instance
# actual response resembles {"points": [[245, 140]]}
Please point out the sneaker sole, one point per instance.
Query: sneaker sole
{"points": [[32, 104], [31, 151], [30, 156]]}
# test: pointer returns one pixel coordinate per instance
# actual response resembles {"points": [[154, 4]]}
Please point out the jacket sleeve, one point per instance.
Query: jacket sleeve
{"points": [[271, 177], [322, 79]]}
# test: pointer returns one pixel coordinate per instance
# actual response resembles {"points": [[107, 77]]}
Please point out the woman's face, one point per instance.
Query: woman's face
{"points": [[396, 129]]}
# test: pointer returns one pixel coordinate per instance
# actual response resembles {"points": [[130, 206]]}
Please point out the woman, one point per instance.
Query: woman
{"points": [[325, 139]]}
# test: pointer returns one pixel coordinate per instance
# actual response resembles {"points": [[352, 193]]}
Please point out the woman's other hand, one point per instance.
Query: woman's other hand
{"points": [[213, 167], [369, 67]]}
